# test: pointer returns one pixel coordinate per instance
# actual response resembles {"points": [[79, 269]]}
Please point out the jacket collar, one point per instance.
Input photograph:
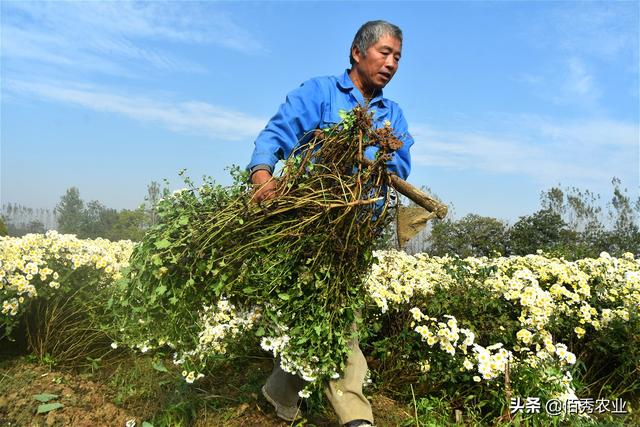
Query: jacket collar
{"points": [[345, 83]]}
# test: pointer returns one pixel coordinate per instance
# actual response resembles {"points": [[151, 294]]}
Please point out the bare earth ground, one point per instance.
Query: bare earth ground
{"points": [[85, 402], [96, 400]]}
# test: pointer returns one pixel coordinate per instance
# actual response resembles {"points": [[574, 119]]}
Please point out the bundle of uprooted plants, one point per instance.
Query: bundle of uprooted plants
{"points": [[290, 269]]}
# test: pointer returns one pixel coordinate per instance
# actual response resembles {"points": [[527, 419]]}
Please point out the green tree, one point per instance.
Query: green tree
{"points": [[580, 209], [553, 200], [35, 226], [152, 198], [97, 220], [18, 230], [473, 235], [70, 212], [621, 211], [624, 235], [3, 227], [545, 230], [129, 225]]}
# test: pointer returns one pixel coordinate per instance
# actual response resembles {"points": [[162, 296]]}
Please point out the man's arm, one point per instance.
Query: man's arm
{"points": [[300, 113]]}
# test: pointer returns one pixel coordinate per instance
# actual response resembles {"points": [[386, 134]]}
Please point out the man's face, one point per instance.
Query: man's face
{"points": [[378, 66]]}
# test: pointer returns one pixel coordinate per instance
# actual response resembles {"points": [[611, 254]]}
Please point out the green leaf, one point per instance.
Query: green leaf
{"points": [[161, 289], [158, 366], [284, 296], [164, 243], [260, 331], [45, 397], [122, 284], [184, 220], [146, 424], [46, 407], [217, 288]]}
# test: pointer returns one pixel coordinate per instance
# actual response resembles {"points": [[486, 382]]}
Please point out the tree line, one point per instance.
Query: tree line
{"points": [[19, 219], [87, 220], [570, 222]]}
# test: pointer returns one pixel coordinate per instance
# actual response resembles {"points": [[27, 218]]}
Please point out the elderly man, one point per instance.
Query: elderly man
{"points": [[374, 56]]}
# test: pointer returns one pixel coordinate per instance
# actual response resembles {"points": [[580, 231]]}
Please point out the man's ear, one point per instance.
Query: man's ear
{"points": [[355, 53]]}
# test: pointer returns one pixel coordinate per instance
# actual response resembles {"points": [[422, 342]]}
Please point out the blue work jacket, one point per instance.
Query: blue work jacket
{"points": [[315, 105]]}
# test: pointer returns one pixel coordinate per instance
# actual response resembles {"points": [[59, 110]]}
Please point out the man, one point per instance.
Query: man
{"points": [[374, 56]]}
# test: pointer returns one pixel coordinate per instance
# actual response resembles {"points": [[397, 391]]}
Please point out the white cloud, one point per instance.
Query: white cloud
{"points": [[597, 133], [600, 29], [192, 117], [581, 152], [29, 51], [570, 82], [100, 36], [587, 40], [580, 81]]}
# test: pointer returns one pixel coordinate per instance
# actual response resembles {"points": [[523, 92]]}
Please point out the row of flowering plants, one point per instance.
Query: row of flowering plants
{"points": [[39, 267], [482, 331], [491, 331]]}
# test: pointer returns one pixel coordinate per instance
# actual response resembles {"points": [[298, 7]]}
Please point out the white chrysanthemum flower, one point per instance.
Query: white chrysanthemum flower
{"points": [[305, 393], [190, 377], [525, 336]]}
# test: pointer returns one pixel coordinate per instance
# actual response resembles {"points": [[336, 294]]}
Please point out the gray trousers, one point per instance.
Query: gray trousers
{"points": [[344, 394]]}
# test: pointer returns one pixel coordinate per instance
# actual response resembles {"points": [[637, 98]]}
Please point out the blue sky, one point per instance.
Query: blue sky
{"points": [[504, 99]]}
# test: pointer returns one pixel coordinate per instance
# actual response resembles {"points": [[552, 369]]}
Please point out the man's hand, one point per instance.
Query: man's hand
{"points": [[265, 185]]}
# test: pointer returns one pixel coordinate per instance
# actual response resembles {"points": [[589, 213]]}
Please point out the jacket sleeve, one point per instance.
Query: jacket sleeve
{"points": [[300, 113], [400, 164]]}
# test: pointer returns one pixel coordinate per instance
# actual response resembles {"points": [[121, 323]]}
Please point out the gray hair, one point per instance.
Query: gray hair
{"points": [[370, 33]]}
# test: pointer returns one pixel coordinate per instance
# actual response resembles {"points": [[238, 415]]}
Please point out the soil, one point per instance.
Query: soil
{"points": [[260, 414], [91, 403], [85, 402]]}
